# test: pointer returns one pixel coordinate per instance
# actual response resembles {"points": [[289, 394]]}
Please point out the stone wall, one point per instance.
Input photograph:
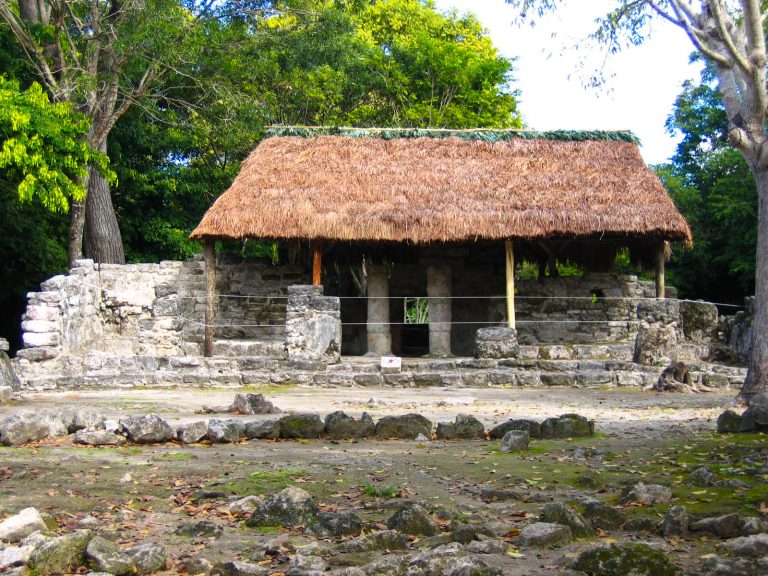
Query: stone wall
{"points": [[313, 326]]}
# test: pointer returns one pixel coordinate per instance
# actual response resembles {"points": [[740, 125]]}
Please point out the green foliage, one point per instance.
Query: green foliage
{"points": [[714, 189], [43, 149]]}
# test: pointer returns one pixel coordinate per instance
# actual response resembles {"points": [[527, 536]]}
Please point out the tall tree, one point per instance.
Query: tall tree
{"points": [[102, 56], [730, 35]]}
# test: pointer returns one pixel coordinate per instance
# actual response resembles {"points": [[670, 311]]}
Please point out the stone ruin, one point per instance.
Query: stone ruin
{"points": [[143, 325]]}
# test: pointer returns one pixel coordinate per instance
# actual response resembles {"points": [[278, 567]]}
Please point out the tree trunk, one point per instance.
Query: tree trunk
{"points": [[103, 242], [757, 375], [76, 224]]}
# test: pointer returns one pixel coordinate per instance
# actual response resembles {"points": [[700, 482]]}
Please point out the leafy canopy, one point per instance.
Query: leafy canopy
{"points": [[43, 152]]}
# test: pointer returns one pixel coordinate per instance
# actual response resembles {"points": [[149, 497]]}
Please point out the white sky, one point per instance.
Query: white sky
{"points": [[638, 95]]}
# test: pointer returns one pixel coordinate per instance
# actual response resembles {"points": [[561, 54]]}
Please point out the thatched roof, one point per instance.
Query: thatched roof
{"points": [[458, 186]]}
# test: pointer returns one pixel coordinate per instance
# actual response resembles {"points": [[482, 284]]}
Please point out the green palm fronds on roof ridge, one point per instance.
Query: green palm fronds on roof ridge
{"points": [[483, 134]]}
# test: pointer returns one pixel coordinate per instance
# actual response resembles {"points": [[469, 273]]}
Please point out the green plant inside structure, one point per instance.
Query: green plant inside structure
{"points": [[416, 310]]}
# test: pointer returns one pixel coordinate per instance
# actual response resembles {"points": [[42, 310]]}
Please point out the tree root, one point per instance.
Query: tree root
{"points": [[676, 378]]}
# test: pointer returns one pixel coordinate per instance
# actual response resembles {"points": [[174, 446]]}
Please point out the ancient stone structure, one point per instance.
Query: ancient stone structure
{"points": [[143, 324]]}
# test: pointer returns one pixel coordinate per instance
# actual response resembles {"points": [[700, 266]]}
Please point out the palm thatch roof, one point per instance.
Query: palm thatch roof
{"points": [[444, 186]]}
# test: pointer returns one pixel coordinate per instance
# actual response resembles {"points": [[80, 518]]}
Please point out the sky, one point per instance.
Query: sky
{"points": [[641, 82]]}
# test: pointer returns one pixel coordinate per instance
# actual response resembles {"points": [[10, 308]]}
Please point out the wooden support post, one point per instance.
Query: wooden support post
{"points": [[210, 294], [317, 262], [510, 260], [660, 258]]}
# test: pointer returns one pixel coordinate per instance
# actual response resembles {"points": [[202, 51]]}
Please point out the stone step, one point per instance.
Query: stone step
{"points": [[243, 348], [603, 351]]}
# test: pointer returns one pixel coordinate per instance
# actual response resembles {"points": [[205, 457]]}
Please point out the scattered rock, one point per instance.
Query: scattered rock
{"points": [[225, 431], [405, 427], [245, 505], [104, 556], [557, 513], [197, 566], [15, 528], [239, 569], [544, 535], [755, 546], [99, 438], [148, 558], [729, 422], [253, 404], [86, 420], [411, 518], [62, 554], [337, 524], [199, 529], [470, 566], [758, 408], [725, 526], [646, 493], [6, 395], [378, 541], [676, 522], [702, 476], [464, 426], [8, 376], [290, 507], [601, 516], [12, 556], [500, 495], [719, 566], [146, 429], [490, 546], [192, 432], [567, 426], [338, 425], [625, 558], [301, 426], [589, 480], [307, 563], [650, 525], [22, 428], [515, 441], [262, 430], [531, 426]]}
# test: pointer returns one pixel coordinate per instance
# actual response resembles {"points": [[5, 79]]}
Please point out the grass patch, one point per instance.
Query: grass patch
{"points": [[265, 482], [175, 456], [379, 491]]}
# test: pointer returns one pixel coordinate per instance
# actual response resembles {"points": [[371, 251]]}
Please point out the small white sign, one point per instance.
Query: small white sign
{"points": [[391, 362]]}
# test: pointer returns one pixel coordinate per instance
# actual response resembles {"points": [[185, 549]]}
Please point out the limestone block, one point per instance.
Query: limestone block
{"points": [[656, 344], [496, 342], [35, 339], [40, 312], [40, 326]]}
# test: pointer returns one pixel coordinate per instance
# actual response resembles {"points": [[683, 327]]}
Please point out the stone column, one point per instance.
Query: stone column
{"points": [[379, 337], [439, 292]]}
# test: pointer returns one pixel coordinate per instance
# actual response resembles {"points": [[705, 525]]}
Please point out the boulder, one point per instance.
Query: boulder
{"points": [[377, 541], [544, 535], [253, 404], [496, 342], [531, 426], [104, 556], [58, 423], [192, 432], [148, 557], [470, 566], [147, 429], [411, 518], [99, 438], [729, 422], [649, 525], [676, 523], [567, 426], [340, 426], [246, 505], [6, 394], [463, 427], [405, 427], [8, 376], [755, 546], [515, 441], [758, 407], [301, 426], [262, 430], [557, 513], [655, 344], [12, 556], [17, 527], [306, 565], [197, 566], [86, 420], [601, 516], [646, 493], [699, 320], [22, 428], [702, 476], [337, 524], [225, 431], [725, 526], [62, 554], [625, 558], [290, 507], [199, 529], [234, 568]]}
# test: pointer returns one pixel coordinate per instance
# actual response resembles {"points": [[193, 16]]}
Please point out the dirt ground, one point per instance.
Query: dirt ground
{"points": [[142, 493]]}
